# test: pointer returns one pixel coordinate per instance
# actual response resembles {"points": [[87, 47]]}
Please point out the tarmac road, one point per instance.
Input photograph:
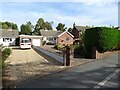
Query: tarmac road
{"points": [[84, 76]]}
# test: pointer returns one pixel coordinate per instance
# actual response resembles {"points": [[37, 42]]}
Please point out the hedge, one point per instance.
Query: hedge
{"points": [[103, 38], [5, 53]]}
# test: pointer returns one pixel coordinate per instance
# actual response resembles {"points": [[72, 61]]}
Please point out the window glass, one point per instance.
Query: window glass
{"points": [[7, 39], [25, 41], [67, 39], [10, 39]]}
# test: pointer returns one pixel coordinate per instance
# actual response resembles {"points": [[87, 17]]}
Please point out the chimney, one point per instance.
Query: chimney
{"points": [[74, 24]]}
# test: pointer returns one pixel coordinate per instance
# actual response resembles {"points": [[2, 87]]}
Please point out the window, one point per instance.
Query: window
{"points": [[7, 39], [10, 39], [67, 39], [50, 39]]}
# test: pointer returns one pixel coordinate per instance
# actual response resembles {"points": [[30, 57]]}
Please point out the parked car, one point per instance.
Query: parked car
{"points": [[25, 43]]}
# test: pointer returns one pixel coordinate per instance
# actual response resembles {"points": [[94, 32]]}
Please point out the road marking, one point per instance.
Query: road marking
{"points": [[106, 79]]}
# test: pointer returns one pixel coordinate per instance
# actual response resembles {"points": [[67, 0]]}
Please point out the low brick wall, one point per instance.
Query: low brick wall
{"points": [[50, 54], [102, 55]]}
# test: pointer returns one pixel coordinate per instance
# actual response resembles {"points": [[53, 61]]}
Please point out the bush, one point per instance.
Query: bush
{"points": [[44, 42], [5, 53], [80, 50], [118, 46], [58, 46], [103, 38]]}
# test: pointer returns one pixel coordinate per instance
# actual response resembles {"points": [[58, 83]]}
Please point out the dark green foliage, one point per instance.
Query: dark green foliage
{"points": [[8, 25], [103, 38], [26, 28], [61, 27], [42, 25], [79, 50], [5, 53], [44, 42], [70, 30], [118, 45]]}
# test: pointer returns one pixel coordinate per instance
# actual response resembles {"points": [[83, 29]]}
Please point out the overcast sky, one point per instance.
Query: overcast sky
{"points": [[94, 12]]}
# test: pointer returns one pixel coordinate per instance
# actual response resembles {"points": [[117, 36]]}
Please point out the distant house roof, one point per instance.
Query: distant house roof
{"points": [[81, 28], [50, 33], [53, 33], [9, 33]]}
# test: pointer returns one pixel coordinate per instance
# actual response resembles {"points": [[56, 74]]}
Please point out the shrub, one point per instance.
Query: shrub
{"points": [[118, 46], [80, 50], [58, 46], [44, 42], [5, 53], [103, 38]]}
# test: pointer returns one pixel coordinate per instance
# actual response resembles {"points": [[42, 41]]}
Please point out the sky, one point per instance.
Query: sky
{"points": [[82, 12]]}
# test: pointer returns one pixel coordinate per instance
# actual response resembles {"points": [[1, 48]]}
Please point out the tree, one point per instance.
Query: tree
{"points": [[42, 25], [61, 27], [4, 26], [9, 25], [48, 25], [70, 30], [26, 28]]}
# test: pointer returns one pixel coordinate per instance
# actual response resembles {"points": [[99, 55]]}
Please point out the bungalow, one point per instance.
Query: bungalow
{"points": [[8, 37], [55, 37]]}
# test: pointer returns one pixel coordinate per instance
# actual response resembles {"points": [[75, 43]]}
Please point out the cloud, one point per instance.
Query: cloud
{"points": [[81, 13], [90, 1]]}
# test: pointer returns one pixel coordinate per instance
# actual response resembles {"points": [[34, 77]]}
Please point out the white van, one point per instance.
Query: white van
{"points": [[25, 43]]}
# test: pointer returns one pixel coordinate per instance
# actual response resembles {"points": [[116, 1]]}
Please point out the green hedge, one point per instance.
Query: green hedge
{"points": [[103, 38], [5, 53]]}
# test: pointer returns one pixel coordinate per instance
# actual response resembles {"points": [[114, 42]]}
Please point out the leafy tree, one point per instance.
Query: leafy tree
{"points": [[70, 30], [26, 28], [8, 25], [61, 27], [48, 25], [4, 26], [42, 25]]}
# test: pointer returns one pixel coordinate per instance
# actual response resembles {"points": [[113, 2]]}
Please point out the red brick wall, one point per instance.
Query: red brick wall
{"points": [[62, 39], [75, 33]]}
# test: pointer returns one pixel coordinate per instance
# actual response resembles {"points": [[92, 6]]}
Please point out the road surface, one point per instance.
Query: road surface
{"points": [[84, 76]]}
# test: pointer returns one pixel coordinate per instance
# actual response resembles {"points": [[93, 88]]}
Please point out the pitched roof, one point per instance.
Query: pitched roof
{"points": [[65, 32], [50, 33], [81, 28], [9, 33]]}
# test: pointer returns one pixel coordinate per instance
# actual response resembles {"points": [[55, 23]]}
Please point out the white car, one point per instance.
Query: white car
{"points": [[25, 43]]}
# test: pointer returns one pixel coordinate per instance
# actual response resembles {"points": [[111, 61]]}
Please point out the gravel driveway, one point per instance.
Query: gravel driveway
{"points": [[25, 64]]}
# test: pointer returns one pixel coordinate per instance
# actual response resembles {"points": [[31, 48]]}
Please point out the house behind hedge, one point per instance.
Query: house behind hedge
{"points": [[77, 31]]}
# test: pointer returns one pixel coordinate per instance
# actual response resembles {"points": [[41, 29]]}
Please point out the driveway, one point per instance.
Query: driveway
{"points": [[24, 64], [84, 76]]}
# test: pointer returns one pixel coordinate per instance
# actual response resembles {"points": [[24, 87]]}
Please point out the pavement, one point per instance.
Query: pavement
{"points": [[87, 75]]}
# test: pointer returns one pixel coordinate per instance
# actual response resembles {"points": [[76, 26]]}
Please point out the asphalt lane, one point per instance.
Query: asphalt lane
{"points": [[83, 76], [112, 83]]}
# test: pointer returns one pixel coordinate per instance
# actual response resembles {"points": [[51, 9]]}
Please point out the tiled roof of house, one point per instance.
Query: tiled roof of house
{"points": [[50, 33], [81, 28], [9, 33]]}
